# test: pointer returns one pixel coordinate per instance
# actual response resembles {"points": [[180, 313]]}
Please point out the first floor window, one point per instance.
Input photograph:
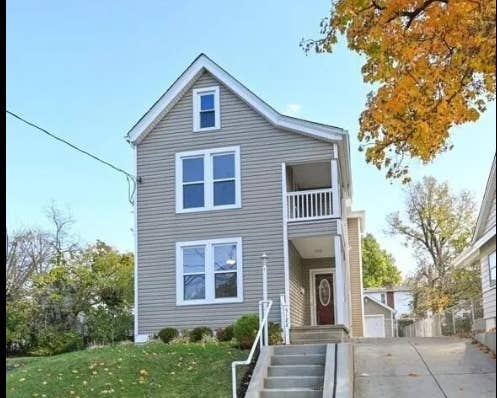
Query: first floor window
{"points": [[209, 271], [491, 267]]}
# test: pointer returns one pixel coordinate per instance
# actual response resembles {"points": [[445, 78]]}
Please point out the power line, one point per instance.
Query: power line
{"points": [[130, 178]]}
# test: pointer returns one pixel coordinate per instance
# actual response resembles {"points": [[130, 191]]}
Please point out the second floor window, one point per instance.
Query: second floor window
{"points": [[206, 112], [491, 268], [383, 298], [208, 179]]}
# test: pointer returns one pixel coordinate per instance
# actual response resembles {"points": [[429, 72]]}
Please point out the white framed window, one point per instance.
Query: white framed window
{"points": [[206, 109], [209, 272], [383, 298], [208, 179], [491, 268]]}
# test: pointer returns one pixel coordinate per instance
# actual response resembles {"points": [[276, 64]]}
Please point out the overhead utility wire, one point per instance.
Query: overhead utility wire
{"points": [[131, 179]]}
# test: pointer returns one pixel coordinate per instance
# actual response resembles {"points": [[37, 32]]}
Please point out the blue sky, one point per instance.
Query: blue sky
{"points": [[88, 70]]}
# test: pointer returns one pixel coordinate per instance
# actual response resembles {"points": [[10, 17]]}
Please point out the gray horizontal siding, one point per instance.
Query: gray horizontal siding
{"points": [[259, 222], [488, 291], [312, 228], [491, 216], [297, 299]]}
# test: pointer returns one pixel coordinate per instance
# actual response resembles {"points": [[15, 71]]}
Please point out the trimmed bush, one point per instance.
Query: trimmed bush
{"points": [[197, 333], [245, 330], [167, 334], [225, 334], [274, 331]]}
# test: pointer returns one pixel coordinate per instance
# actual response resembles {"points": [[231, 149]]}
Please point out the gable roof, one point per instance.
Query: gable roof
{"points": [[380, 303], [486, 205], [203, 63]]}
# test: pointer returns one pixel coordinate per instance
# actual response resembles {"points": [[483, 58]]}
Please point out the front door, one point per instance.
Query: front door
{"points": [[325, 311]]}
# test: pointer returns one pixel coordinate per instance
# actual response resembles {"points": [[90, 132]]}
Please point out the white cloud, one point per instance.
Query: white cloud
{"points": [[292, 109]]}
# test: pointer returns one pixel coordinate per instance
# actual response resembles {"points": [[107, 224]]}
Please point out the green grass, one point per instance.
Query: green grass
{"points": [[129, 371]]}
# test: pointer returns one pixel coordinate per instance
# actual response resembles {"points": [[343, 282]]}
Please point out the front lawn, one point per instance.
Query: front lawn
{"points": [[147, 371]]}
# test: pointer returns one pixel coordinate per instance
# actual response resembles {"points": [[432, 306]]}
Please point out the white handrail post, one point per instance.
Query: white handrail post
{"points": [[264, 258]]}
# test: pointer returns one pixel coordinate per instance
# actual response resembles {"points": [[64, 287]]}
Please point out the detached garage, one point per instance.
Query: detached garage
{"points": [[379, 319]]}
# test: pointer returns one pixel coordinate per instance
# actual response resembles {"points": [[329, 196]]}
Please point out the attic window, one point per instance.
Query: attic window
{"points": [[206, 113]]}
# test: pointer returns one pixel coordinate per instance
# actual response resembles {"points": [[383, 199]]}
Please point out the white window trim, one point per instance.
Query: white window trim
{"points": [[491, 281], [208, 179], [196, 108], [209, 272]]}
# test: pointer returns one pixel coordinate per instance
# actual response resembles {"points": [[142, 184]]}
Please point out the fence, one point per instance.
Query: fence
{"points": [[462, 319]]}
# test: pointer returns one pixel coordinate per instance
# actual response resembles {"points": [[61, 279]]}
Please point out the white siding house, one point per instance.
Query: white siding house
{"points": [[482, 250]]}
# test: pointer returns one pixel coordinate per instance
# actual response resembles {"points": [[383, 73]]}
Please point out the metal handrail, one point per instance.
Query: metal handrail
{"points": [[252, 350]]}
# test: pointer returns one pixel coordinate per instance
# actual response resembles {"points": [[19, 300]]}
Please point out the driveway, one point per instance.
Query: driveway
{"points": [[422, 368]]}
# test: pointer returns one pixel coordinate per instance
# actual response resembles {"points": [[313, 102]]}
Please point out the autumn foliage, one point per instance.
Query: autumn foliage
{"points": [[433, 63]]}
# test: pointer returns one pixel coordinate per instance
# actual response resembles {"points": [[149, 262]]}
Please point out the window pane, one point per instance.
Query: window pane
{"points": [[193, 169], [224, 193], [207, 119], [491, 264], [194, 288], [226, 285], [224, 166], [193, 195], [225, 257], [206, 102], [193, 259]]}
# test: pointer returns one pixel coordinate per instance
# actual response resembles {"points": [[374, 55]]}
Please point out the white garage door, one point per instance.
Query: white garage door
{"points": [[375, 326]]}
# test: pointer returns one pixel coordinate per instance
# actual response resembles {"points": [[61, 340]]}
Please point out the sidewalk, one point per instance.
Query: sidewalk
{"points": [[422, 367]]}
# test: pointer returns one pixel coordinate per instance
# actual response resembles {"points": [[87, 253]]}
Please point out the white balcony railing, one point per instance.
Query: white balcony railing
{"points": [[312, 205]]}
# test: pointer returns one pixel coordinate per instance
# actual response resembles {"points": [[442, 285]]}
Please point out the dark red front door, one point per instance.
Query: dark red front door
{"points": [[324, 300]]}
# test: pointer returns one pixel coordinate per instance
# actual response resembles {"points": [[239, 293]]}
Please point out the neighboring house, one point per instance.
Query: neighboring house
{"points": [[379, 318], [224, 178], [482, 250], [400, 298]]}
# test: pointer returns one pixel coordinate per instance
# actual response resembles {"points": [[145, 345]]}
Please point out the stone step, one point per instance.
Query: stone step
{"points": [[294, 349], [292, 393], [296, 370], [311, 382], [315, 334], [310, 359]]}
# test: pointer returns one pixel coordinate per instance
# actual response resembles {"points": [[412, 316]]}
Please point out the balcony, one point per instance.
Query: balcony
{"points": [[314, 204], [312, 191]]}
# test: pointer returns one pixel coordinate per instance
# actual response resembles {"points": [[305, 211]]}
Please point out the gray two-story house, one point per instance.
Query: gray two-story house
{"points": [[225, 178]]}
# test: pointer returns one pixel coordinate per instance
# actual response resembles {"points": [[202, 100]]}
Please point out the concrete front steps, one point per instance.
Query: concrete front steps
{"points": [[321, 334], [295, 371]]}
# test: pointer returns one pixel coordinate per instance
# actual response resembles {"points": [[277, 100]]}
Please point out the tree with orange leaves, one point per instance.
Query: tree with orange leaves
{"points": [[434, 63]]}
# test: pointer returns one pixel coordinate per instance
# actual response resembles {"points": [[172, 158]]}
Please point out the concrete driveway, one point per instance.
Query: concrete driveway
{"points": [[422, 368]]}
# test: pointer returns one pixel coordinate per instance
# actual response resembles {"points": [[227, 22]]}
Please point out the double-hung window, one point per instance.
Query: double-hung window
{"points": [[206, 112], [208, 180], [491, 268], [209, 271]]}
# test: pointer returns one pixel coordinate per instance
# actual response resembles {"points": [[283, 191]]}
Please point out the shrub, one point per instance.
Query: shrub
{"points": [[197, 333], [245, 330], [107, 325], [274, 331], [206, 339], [51, 341], [167, 334], [19, 334], [182, 339], [225, 334]]}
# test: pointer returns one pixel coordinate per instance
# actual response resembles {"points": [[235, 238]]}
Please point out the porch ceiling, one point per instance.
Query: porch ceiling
{"points": [[312, 175], [315, 247]]}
